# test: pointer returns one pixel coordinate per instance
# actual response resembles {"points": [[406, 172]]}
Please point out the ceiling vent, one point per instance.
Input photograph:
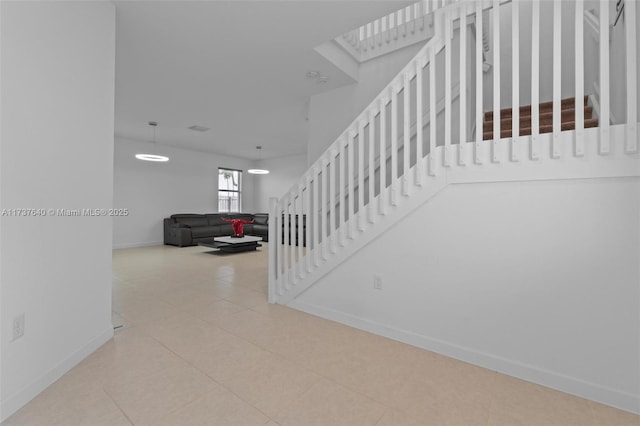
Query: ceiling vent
{"points": [[196, 128]]}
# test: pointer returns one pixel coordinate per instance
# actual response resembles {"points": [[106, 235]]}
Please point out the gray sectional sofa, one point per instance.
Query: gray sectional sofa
{"points": [[185, 230]]}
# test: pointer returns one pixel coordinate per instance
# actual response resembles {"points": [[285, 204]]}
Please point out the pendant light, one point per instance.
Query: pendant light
{"points": [[153, 157], [258, 171]]}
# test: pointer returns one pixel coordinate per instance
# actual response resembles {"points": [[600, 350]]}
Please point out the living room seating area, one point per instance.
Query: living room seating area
{"points": [[188, 229]]}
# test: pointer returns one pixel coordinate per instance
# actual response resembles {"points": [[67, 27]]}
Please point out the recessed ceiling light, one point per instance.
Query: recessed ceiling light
{"points": [[197, 128]]}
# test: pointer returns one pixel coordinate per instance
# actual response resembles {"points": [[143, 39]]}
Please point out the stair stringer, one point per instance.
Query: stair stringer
{"points": [[495, 165]]}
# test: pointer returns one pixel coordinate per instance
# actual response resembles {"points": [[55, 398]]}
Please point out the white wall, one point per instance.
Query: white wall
{"points": [[331, 112], [56, 152], [284, 172], [188, 183], [535, 279]]}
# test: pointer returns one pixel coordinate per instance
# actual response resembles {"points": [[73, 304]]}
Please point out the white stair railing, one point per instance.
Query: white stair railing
{"points": [[408, 20], [378, 163]]}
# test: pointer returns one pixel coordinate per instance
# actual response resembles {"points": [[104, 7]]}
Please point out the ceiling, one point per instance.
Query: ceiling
{"points": [[237, 67]]}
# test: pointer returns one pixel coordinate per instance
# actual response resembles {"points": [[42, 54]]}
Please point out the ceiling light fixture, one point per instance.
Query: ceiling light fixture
{"points": [[197, 128], [318, 77], [258, 171], [153, 157]]}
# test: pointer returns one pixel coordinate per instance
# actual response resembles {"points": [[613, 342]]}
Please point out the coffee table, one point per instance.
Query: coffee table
{"points": [[234, 245]]}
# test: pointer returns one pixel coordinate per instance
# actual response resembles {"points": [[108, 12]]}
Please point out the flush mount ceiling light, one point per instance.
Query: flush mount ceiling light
{"points": [[153, 157], [258, 171]]}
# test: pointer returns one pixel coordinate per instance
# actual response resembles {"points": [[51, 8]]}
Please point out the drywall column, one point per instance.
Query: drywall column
{"points": [[56, 152]]}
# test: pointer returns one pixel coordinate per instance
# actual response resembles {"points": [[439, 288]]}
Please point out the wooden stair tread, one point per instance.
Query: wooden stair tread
{"points": [[526, 110], [545, 118], [547, 128]]}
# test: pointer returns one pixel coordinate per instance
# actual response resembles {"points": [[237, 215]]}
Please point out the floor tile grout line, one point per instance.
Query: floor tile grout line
{"points": [[345, 386], [382, 415], [210, 378], [320, 376], [493, 395], [294, 400], [117, 405], [266, 349]]}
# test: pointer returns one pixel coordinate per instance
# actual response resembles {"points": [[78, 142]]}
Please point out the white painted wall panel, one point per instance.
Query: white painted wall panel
{"points": [[56, 152], [283, 173], [188, 183], [536, 279]]}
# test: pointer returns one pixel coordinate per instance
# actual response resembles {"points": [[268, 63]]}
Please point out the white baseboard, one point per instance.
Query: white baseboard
{"points": [[14, 402], [136, 245], [615, 398]]}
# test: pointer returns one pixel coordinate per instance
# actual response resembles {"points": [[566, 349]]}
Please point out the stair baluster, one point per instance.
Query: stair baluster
{"points": [[605, 147], [406, 132], [535, 80], [333, 194], [382, 204], [371, 168], [419, 124], [515, 80], [557, 79], [479, 88], [495, 15], [632, 78], [579, 76], [463, 86]]}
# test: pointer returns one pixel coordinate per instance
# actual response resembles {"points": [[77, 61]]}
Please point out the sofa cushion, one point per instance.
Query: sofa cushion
{"points": [[205, 231], [261, 218], [178, 225], [215, 219], [224, 230], [190, 219], [260, 229], [245, 216]]}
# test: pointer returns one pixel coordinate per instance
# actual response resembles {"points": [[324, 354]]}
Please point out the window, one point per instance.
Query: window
{"points": [[229, 190]]}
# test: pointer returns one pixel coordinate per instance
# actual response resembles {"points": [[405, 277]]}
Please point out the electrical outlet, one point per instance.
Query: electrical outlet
{"points": [[377, 282], [18, 326]]}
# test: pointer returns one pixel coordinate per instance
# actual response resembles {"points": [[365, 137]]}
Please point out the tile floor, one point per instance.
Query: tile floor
{"points": [[201, 346]]}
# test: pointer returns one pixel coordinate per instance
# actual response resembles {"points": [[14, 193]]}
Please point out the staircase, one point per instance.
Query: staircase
{"points": [[567, 115], [402, 28], [416, 137]]}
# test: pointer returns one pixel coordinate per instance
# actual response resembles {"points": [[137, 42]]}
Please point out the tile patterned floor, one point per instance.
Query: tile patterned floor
{"points": [[201, 346]]}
